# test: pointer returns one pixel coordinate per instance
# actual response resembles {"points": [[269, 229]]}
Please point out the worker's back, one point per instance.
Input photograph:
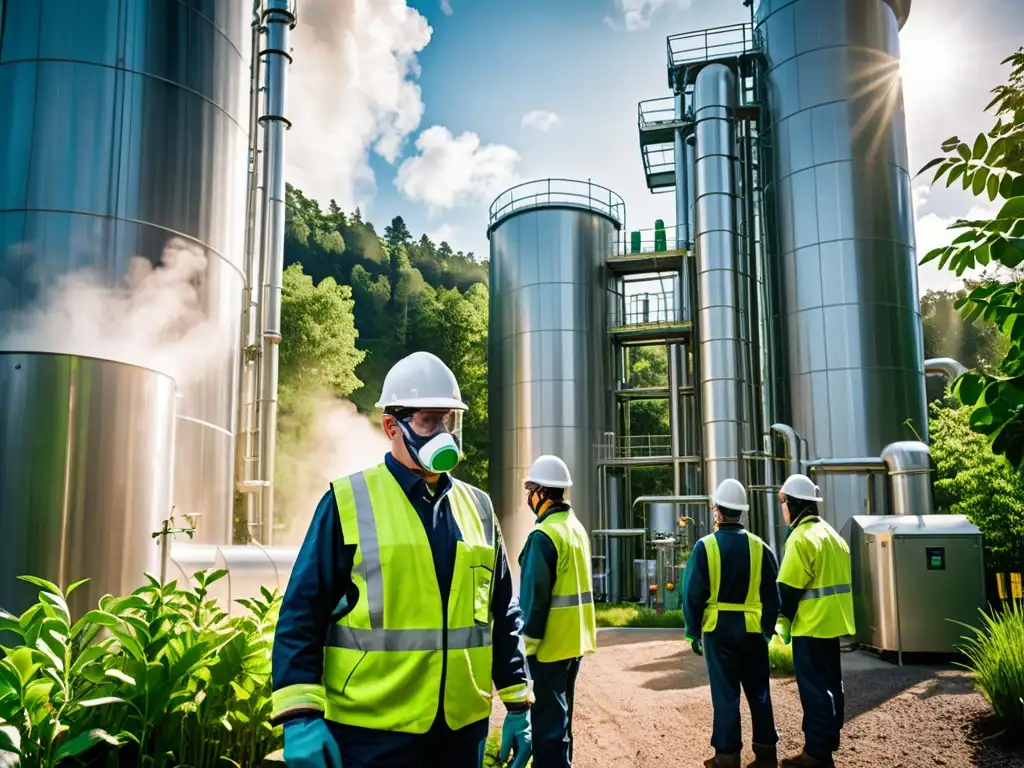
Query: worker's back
{"points": [[734, 558], [818, 562]]}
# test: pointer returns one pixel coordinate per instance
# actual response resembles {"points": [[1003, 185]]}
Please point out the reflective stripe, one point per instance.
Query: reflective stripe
{"points": [[477, 636], [568, 601], [484, 509], [518, 694], [838, 589], [294, 698], [368, 544]]}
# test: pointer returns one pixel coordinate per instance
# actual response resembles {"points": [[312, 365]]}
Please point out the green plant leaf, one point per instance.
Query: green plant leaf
{"points": [[955, 174], [968, 388], [963, 150], [1012, 208], [931, 164], [993, 187], [82, 743], [10, 738], [117, 674], [43, 584], [980, 146], [1006, 187], [981, 177], [101, 701]]}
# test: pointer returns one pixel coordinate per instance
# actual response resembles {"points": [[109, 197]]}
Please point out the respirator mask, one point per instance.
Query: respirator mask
{"points": [[433, 438]]}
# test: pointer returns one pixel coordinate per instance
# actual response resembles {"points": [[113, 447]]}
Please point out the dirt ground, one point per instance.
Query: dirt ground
{"points": [[642, 701]]}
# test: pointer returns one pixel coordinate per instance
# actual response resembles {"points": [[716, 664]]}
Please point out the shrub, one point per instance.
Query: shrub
{"points": [[995, 654], [636, 616], [161, 677], [972, 481], [780, 657]]}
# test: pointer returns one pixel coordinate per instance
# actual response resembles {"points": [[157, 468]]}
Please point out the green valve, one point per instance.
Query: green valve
{"points": [[634, 242]]}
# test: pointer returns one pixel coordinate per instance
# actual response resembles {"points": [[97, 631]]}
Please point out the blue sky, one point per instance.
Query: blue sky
{"points": [[433, 94]]}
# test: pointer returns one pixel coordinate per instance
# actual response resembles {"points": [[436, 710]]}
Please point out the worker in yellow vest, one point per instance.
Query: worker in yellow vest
{"points": [[730, 604], [817, 609], [557, 597], [400, 612]]}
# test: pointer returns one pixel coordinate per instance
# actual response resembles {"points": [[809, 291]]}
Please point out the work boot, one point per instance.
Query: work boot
{"points": [[721, 760], [765, 756], [804, 760]]}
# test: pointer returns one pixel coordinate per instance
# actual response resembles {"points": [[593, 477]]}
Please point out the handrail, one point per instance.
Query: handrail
{"points": [[642, 309], [708, 48], [541, 193], [646, 111]]}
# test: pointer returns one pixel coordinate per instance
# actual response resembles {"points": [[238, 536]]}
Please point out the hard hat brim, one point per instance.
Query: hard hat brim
{"points": [[805, 498], [550, 483], [733, 507], [447, 403]]}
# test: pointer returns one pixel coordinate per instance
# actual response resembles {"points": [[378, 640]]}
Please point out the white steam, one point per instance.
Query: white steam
{"points": [[342, 441], [351, 87], [154, 318]]}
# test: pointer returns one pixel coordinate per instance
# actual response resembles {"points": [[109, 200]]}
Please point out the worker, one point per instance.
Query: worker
{"points": [[730, 605], [399, 612], [557, 597], [817, 609]]}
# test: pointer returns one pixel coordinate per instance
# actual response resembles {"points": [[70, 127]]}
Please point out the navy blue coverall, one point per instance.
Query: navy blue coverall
{"points": [[734, 656], [554, 682], [317, 596]]}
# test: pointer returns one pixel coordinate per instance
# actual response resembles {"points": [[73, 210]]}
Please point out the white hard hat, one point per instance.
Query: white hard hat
{"points": [[800, 487], [550, 472], [730, 494], [421, 380]]}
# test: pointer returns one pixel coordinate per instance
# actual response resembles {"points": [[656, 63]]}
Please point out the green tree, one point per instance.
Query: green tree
{"points": [[973, 481], [993, 165]]}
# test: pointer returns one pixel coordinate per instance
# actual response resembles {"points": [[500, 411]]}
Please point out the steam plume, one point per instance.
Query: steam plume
{"points": [[154, 318], [341, 441]]}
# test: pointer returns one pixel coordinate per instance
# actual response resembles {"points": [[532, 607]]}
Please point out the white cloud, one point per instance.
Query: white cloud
{"points": [[636, 14], [933, 232], [541, 119], [446, 8], [352, 88], [448, 170], [442, 234]]}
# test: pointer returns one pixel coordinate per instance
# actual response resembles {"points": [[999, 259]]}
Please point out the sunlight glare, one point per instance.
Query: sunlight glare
{"points": [[930, 59]]}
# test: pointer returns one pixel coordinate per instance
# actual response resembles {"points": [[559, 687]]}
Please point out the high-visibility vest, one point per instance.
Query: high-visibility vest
{"points": [[382, 661], [751, 607], [817, 560], [571, 628]]}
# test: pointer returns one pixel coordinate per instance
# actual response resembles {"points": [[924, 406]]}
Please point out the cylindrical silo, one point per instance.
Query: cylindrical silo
{"points": [[85, 469], [125, 126], [844, 231], [549, 367]]}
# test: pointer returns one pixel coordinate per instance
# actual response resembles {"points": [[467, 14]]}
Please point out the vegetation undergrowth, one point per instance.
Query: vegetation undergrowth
{"points": [[162, 677], [995, 656]]}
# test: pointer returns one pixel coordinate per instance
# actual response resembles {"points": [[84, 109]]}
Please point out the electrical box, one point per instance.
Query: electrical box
{"points": [[914, 578]]}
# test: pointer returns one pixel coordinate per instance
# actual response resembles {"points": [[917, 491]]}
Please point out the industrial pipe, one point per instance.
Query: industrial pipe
{"points": [[844, 466], [675, 430], [910, 467], [944, 366], [246, 456], [682, 187], [721, 367], [279, 20], [792, 446]]}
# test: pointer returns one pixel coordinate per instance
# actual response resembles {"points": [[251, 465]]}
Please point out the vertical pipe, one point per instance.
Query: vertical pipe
{"points": [[719, 289], [682, 186], [245, 440], [673, 413], [279, 20]]}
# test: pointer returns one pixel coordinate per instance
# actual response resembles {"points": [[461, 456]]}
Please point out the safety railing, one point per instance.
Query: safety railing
{"points": [[710, 44], [564, 192], [659, 159], [646, 309], [639, 242], [642, 446], [653, 113]]}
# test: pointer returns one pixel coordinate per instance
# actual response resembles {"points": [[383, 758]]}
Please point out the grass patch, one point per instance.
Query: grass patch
{"points": [[780, 657], [491, 751], [995, 656], [632, 615]]}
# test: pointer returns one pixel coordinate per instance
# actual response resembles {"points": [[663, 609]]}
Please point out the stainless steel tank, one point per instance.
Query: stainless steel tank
{"points": [[662, 517], [125, 126], [85, 474], [549, 366], [843, 234]]}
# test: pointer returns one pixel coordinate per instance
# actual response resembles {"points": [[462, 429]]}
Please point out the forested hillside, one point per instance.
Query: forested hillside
{"points": [[405, 294]]}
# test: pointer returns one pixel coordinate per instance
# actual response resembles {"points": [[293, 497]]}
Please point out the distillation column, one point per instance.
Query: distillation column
{"points": [[719, 283], [843, 232]]}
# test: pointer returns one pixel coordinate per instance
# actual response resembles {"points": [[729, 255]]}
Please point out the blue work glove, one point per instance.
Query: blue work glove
{"points": [[516, 739], [696, 645], [782, 630], [308, 743]]}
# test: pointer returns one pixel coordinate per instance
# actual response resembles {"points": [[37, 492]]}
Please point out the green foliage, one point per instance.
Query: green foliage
{"points": [[993, 165], [971, 480], [780, 657], [995, 654], [403, 295], [979, 345], [162, 677]]}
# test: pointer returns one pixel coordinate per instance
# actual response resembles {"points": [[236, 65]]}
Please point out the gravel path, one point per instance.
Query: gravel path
{"points": [[643, 702]]}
